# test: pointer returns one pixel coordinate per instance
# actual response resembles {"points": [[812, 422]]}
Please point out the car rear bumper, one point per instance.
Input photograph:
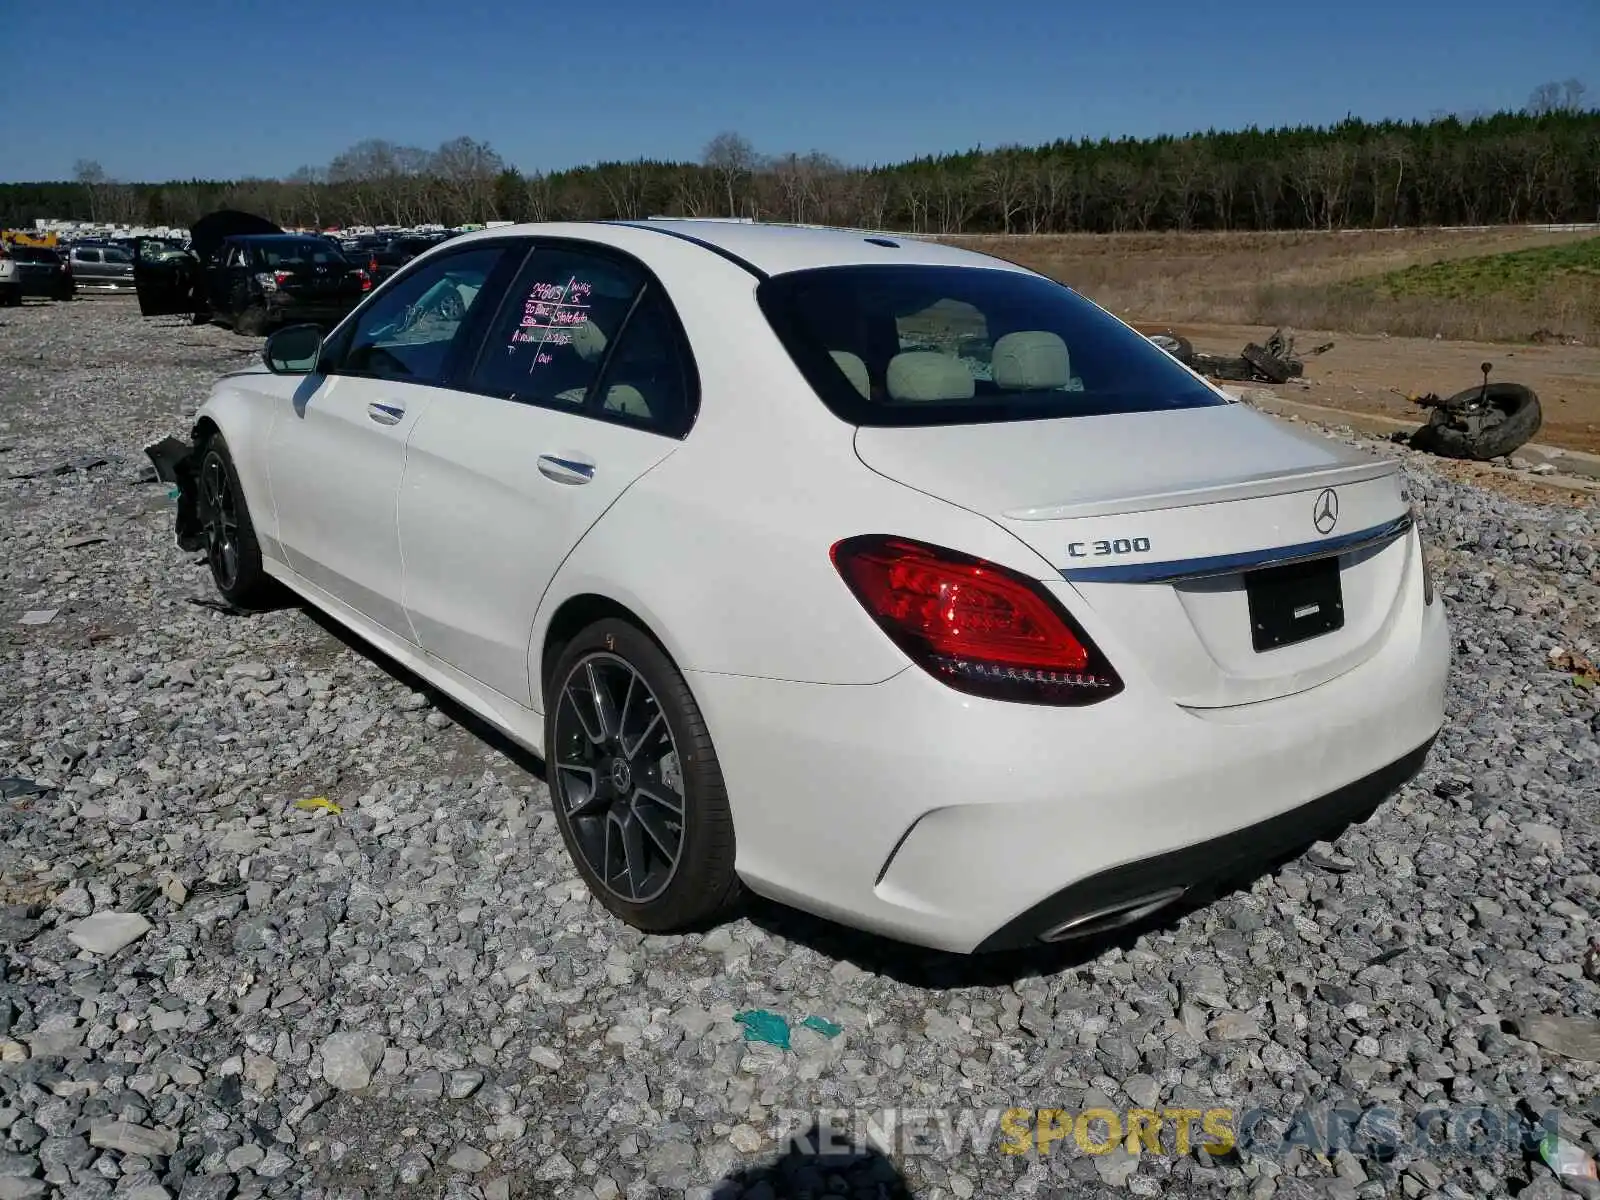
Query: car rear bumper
{"points": [[964, 824], [285, 310]]}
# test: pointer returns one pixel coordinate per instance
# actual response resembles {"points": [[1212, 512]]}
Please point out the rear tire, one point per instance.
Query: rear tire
{"points": [[11, 297], [623, 811], [252, 322], [1523, 417], [232, 552]]}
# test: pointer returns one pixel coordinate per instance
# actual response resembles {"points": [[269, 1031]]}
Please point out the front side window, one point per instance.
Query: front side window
{"points": [[409, 329], [117, 255], [589, 333], [927, 345]]}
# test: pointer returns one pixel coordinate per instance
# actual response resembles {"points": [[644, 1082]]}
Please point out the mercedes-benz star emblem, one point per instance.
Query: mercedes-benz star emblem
{"points": [[1326, 513], [621, 776]]}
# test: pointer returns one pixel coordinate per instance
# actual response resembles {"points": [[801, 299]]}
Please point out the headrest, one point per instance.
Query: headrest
{"points": [[625, 398], [928, 375], [588, 341], [1031, 360], [854, 370]]}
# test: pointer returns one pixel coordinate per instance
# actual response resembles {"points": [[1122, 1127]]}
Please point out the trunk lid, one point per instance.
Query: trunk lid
{"points": [[1216, 545], [319, 281]]}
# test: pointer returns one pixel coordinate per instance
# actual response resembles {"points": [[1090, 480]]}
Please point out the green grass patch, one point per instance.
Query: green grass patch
{"points": [[1521, 274]]}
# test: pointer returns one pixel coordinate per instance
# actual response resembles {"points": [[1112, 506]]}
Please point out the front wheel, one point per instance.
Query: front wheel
{"points": [[232, 552], [638, 793]]}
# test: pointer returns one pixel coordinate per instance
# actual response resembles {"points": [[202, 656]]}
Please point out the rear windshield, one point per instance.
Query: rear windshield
{"points": [[291, 254], [923, 345]]}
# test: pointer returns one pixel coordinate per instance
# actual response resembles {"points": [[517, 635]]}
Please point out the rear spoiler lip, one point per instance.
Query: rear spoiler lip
{"points": [[1184, 570], [1249, 487]]}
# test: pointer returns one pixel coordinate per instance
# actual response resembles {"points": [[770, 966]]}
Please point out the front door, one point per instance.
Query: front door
{"points": [[581, 385], [164, 284], [336, 458]]}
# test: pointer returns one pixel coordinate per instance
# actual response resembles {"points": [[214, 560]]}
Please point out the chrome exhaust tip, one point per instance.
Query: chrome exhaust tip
{"points": [[1112, 917]]}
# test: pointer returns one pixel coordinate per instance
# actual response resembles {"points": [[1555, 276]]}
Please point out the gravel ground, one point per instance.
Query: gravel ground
{"points": [[415, 996]]}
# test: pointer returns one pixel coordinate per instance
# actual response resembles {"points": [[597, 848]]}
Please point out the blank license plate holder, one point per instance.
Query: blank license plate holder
{"points": [[1293, 603]]}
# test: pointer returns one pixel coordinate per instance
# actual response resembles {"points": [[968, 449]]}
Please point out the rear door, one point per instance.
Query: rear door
{"points": [[336, 456], [583, 383]]}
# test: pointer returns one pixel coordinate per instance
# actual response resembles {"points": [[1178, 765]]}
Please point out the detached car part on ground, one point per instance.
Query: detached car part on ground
{"points": [[886, 579], [1274, 362], [243, 271], [1485, 422]]}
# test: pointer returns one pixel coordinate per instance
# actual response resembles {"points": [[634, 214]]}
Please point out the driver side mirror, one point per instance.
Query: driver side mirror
{"points": [[293, 350]]}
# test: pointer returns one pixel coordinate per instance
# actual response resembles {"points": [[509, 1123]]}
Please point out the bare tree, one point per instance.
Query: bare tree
{"points": [[93, 177], [1564, 97], [466, 170], [732, 159], [1004, 182]]}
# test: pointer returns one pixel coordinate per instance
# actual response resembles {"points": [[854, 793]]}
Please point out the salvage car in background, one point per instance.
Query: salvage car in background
{"points": [[10, 285], [245, 272], [102, 268], [890, 580], [45, 273]]}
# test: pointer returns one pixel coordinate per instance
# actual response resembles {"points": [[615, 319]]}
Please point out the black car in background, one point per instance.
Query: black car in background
{"points": [[384, 260], [43, 272], [243, 271]]}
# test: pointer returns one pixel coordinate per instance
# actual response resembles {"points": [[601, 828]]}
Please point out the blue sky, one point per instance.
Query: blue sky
{"points": [[225, 88]]}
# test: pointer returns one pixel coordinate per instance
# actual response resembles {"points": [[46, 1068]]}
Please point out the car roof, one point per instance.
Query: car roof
{"points": [[278, 237], [773, 249]]}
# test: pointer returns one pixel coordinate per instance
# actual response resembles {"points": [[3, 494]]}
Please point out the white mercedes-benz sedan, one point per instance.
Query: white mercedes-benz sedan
{"points": [[891, 581]]}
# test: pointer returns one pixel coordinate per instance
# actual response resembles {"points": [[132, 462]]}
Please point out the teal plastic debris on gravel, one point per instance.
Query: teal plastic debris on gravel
{"points": [[763, 1026], [823, 1026]]}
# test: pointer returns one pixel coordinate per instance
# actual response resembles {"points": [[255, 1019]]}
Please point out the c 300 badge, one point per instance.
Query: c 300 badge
{"points": [[1138, 545]]}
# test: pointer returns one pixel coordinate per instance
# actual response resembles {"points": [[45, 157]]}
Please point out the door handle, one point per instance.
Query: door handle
{"points": [[386, 414], [565, 470]]}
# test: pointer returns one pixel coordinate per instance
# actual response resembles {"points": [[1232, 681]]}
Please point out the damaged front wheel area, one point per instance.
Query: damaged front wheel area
{"points": [[212, 515], [232, 551]]}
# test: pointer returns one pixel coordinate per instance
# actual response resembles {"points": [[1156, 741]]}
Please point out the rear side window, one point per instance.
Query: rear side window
{"points": [[925, 345], [297, 254], [92, 256], [592, 334]]}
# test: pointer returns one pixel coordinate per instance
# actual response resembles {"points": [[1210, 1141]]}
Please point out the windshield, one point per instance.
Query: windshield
{"points": [[923, 345], [292, 254]]}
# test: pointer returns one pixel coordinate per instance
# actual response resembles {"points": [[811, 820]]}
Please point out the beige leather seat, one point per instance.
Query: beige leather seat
{"points": [[590, 341], [1033, 360], [854, 370], [926, 376]]}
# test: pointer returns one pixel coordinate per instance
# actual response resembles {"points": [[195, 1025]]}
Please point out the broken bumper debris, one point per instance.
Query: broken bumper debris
{"points": [[175, 464]]}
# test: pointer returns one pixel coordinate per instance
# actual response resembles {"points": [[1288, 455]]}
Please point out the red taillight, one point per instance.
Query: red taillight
{"points": [[282, 277], [366, 280], [974, 624]]}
